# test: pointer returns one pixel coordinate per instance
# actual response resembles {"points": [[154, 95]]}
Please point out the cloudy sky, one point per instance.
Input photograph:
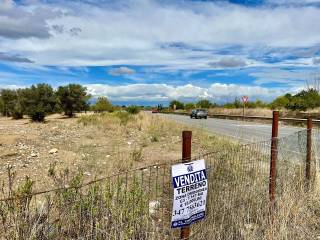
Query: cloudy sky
{"points": [[152, 51]]}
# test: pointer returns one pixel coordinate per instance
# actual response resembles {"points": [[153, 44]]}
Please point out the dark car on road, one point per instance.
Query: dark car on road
{"points": [[199, 113]]}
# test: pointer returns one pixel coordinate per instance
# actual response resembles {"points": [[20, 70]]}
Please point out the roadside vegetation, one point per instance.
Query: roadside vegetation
{"points": [[66, 153], [136, 205], [302, 101], [305, 102], [41, 100], [90, 147]]}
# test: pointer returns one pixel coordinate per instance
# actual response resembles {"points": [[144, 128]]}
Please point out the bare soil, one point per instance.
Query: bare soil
{"points": [[97, 149]]}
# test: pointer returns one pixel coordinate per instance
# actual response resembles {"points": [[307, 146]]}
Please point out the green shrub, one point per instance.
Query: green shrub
{"points": [[281, 102], [133, 109], [102, 105], [2, 109], [37, 114], [204, 103], [189, 106], [8, 99], [19, 107], [302, 101], [124, 117], [177, 104], [17, 114], [235, 104]]}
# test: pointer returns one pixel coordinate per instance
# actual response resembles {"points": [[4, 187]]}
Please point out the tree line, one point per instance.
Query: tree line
{"points": [[237, 103], [40, 100], [302, 101]]}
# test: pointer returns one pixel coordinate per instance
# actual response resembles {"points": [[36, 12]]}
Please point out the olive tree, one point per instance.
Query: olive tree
{"points": [[72, 98], [39, 101], [8, 98]]}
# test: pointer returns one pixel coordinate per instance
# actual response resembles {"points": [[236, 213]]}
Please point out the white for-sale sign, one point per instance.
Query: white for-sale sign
{"points": [[190, 193]]}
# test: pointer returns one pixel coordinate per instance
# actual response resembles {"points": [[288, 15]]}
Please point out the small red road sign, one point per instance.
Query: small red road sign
{"points": [[245, 99]]}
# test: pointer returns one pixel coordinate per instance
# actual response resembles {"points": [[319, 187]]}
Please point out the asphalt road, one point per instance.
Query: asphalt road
{"points": [[251, 132], [244, 131]]}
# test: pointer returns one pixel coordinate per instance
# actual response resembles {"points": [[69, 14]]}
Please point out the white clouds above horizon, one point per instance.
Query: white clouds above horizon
{"points": [[293, 78], [164, 36], [218, 92], [133, 33], [121, 71]]}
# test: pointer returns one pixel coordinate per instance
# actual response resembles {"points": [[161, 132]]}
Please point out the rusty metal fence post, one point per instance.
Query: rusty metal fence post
{"points": [[309, 152], [186, 157], [273, 160]]}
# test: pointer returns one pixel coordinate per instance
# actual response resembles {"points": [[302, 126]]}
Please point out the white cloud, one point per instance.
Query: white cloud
{"points": [[299, 2], [294, 78], [228, 62], [11, 86], [316, 61], [14, 58], [22, 22], [135, 32], [163, 92], [121, 71]]}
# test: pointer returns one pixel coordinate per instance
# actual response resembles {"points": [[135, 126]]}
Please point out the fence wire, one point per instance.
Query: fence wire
{"points": [[137, 204]]}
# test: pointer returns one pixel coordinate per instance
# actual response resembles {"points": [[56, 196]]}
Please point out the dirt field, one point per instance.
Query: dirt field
{"points": [[98, 145]]}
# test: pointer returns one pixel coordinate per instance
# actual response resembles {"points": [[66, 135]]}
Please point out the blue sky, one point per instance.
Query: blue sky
{"points": [[152, 51]]}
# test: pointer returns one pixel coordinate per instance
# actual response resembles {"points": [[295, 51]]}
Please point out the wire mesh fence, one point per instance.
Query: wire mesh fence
{"points": [[137, 204], [238, 202]]}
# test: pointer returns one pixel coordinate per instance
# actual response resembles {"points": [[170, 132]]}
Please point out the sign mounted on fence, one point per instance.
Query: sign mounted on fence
{"points": [[190, 186]]}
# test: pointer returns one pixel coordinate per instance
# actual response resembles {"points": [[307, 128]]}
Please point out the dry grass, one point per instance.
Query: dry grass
{"points": [[119, 207], [238, 204], [265, 112], [239, 111], [99, 144]]}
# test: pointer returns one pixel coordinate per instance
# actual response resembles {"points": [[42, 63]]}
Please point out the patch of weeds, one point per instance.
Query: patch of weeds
{"points": [[137, 155], [154, 134], [154, 138], [89, 119], [124, 117], [25, 189], [133, 109]]}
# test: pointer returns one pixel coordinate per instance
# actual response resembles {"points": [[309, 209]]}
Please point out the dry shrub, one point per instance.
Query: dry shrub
{"points": [[119, 207], [116, 208], [265, 112], [238, 206]]}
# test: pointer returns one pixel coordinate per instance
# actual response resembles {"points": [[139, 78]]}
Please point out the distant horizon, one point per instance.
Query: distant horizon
{"points": [[152, 51]]}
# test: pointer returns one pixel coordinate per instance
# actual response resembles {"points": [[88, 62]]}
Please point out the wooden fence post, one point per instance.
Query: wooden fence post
{"points": [[273, 160], [186, 157], [309, 152]]}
